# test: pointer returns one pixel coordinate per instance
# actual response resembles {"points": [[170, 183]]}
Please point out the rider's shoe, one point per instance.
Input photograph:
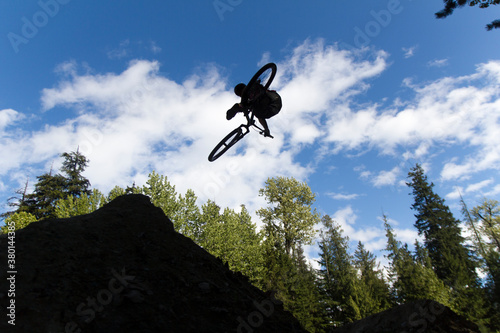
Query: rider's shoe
{"points": [[267, 133]]}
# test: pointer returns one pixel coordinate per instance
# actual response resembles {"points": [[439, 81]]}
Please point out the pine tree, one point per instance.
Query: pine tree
{"points": [[450, 258], [48, 190], [19, 202], [304, 298], [51, 188], [73, 166], [410, 279], [484, 224], [376, 290], [338, 279]]}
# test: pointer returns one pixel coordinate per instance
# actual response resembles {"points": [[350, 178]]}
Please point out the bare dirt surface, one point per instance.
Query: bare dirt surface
{"points": [[123, 268]]}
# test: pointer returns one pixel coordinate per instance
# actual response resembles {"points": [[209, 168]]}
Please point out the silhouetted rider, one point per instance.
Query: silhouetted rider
{"points": [[264, 107]]}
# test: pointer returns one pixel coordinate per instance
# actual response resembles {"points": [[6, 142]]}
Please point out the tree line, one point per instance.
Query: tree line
{"points": [[461, 273]]}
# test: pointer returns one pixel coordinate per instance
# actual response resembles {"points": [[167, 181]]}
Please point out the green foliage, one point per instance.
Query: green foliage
{"points": [[186, 218], [115, 193], [374, 291], [451, 5], [162, 193], [346, 287], [411, 279], [48, 190], [484, 226], [443, 239], [51, 188], [18, 221], [232, 237], [338, 279], [73, 166], [290, 219], [84, 204], [288, 224]]}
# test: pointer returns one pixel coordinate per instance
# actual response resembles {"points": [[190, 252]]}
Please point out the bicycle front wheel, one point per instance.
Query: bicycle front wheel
{"points": [[259, 83], [226, 143]]}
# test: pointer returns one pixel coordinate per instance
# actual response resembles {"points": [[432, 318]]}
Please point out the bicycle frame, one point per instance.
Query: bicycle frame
{"points": [[250, 122]]}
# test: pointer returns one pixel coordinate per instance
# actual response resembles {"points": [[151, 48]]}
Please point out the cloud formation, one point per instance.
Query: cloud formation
{"points": [[131, 123]]}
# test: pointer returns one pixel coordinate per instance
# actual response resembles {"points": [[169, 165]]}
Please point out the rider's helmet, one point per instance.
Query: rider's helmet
{"points": [[238, 90]]}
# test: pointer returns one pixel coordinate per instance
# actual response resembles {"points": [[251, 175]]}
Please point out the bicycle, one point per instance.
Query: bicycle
{"points": [[257, 86]]}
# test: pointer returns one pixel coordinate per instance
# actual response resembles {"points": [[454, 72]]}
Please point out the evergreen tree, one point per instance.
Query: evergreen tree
{"points": [[451, 5], [450, 258], [304, 298], [410, 279], [48, 190], [338, 281], [73, 166], [292, 281], [51, 188], [484, 224], [19, 202], [377, 293]]}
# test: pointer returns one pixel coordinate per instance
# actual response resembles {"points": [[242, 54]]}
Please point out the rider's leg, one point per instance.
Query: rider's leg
{"points": [[263, 122]]}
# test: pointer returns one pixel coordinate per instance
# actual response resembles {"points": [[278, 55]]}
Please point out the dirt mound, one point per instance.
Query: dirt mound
{"points": [[414, 317], [123, 268]]}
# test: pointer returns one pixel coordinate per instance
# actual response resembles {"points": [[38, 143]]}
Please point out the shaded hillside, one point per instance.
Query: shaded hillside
{"points": [[414, 317], [123, 268]]}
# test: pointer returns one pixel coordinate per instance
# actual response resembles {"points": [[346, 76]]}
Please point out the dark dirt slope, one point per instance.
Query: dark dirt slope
{"points": [[124, 269], [422, 316]]}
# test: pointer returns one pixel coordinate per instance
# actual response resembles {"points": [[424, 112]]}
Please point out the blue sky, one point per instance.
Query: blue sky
{"points": [[369, 89]]}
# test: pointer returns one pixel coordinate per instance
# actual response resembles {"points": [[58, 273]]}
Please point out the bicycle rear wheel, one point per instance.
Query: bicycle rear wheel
{"points": [[259, 83], [226, 143]]}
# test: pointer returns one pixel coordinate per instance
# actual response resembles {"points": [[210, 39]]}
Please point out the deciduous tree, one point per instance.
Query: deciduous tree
{"points": [[290, 217]]}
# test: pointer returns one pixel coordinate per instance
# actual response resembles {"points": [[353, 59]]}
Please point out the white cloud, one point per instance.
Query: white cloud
{"points": [[409, 51], [342, 196], [471, 188], [438, 63], [386, 177], [121, 51], [136, 121], [450, 111], [133, 122], [8, 117]]}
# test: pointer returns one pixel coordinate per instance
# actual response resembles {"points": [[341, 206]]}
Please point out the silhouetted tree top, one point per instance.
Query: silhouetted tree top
{"points": [[451, 5]]}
